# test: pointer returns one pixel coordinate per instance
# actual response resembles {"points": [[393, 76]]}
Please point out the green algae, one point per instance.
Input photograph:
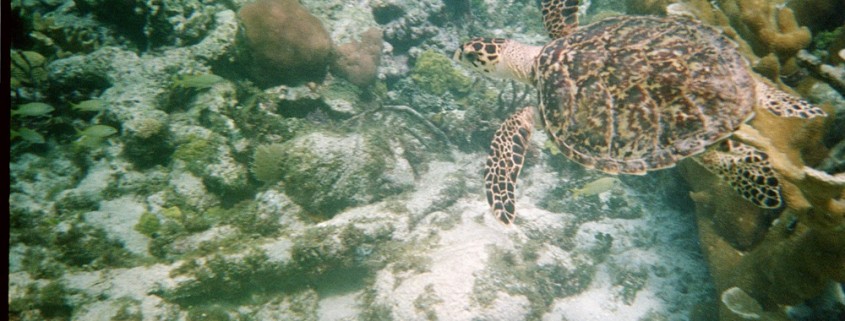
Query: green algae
{"points": [[129, 310], [434, 73], [148, 224], [245, 216], [320, 253], [227, 279], [51, 301], [40, 264], [86, 246], [197, 153]]}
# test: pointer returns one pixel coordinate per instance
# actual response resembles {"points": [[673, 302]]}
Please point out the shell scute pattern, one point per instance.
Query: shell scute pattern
{"points": [[627, 95]]}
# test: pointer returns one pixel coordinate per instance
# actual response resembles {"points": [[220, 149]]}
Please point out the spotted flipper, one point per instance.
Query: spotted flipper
{"points": [[785, 105], [747, 171], [560, 17], [507, 154]]}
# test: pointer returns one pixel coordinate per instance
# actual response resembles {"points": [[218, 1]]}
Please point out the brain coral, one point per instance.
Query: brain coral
{"points": [[287, 43], [358, 62]]}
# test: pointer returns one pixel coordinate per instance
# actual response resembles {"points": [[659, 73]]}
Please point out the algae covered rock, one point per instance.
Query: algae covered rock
{"points": [[325, 172], [205, 154]]}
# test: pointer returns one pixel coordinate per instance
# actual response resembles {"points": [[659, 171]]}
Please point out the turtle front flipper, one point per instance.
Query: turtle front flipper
{"points": [[747, 170], [560, 17], [507, 154], [784, 105]]}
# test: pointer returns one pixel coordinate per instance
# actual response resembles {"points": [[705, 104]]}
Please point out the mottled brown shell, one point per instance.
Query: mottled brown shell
{"points": [[632, 94]]}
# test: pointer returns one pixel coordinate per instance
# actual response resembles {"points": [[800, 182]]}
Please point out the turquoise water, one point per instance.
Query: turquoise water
{"points": [[324, 160]]}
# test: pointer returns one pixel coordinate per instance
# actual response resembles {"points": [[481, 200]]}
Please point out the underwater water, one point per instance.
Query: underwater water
{"points": [[325, 160]]}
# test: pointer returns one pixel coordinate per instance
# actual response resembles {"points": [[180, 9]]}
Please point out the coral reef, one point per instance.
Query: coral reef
{"points": [[287, 44], [150, 25], [784, 257], [196, 190], [406, 24], [358, 61]]}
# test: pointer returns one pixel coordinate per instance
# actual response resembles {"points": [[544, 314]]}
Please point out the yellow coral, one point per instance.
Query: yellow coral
{"points": [[805, 249], [772, 29], [788, 38]]}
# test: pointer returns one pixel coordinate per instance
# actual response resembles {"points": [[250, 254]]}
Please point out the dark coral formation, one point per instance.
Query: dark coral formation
{"points": [[288, 44]]}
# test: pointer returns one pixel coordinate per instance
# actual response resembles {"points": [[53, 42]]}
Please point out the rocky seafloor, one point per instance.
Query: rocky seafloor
{"points": [[192, 166]]}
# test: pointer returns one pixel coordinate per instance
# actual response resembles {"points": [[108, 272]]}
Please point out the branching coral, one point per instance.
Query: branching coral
{"points": [[776, 29]]}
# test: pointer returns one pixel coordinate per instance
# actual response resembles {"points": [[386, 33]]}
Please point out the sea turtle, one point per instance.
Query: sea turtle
{"points": [[631, 94]]}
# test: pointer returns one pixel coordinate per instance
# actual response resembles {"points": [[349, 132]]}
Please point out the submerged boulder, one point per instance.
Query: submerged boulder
{"points": [[326, 172]]}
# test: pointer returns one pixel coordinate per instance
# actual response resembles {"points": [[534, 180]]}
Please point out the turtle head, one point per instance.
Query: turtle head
{"points": [[497, 57]]}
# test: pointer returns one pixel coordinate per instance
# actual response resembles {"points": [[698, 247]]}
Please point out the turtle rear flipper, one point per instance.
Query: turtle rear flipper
{"points": [[507, 154], [747, 170], [560, 17], [785, 105]]}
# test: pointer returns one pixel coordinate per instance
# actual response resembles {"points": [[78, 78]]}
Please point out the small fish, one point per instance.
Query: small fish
{"points": [[89, 105], [98, 131], [27, 135], [196, 81], [89, 142], [598, 186], [33, 109]]}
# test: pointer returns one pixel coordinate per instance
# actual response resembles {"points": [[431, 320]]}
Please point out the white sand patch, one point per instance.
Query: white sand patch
{"points": [[659, 249], [446, 288], [278, 250], [339, 307], [135, 284], [118, 218]]}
